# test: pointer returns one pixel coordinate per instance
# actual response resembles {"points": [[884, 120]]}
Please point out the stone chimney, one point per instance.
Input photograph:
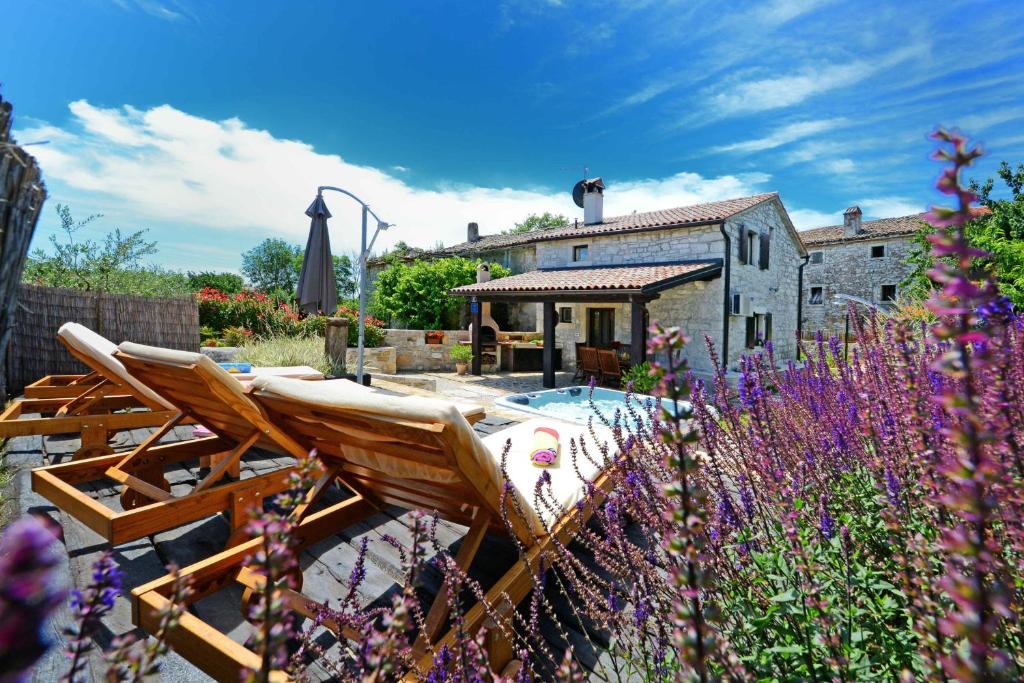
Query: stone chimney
{"points": [[473, 232], [851, 221], [483, 271], [593, 202]]}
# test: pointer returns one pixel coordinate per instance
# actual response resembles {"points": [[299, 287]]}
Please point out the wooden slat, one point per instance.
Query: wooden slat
{"points": [[134, 483]]}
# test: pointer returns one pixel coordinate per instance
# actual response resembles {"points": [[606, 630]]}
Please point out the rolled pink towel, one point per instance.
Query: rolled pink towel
{"points": [[545, 447]]}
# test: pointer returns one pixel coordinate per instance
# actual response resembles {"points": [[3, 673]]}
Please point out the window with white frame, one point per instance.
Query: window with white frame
{"points": [[817, 257], [817, 297], [581, 252]]}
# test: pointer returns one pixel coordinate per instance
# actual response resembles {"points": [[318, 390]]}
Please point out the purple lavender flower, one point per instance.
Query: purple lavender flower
{"points": [[892, 487], [28, 594], [827, 526]]}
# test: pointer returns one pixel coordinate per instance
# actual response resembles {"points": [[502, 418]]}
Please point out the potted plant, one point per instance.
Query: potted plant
{"points": [[461, 354], [434, 336]]}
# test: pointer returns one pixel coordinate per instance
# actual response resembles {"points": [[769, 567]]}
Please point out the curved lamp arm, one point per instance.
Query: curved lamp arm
{"points": [[380, 223]]}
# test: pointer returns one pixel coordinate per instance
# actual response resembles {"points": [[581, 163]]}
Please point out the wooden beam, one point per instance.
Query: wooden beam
{"points": [[637, 333], [549, 344], [476, 314]]}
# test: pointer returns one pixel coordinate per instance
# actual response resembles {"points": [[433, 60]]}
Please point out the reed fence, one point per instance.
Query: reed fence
{"points": [[35, 350]]}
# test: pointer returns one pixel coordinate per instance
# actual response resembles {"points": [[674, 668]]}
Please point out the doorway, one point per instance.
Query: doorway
{"points": [[600, 327]]}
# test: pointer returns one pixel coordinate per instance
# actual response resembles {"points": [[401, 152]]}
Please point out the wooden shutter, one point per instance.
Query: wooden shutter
{"points": [[767, 326], [751, 331], [743, 244], [766, 239]]}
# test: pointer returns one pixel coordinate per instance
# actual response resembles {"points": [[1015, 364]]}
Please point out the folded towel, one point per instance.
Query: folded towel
{"points": [[545, 447]]}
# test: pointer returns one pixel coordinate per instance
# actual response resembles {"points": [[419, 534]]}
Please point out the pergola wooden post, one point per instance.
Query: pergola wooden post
{"points": [[549, 344], [638, 331]]}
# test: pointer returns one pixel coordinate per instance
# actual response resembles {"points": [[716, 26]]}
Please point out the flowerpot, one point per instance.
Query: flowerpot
{"points": [[435, 337], [460, 368]]}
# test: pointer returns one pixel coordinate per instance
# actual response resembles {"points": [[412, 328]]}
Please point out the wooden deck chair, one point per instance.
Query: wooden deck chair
{"points": [[405, 451], [201, 391], [105, 401], [611, 370], [590, 365], [197, 390]]}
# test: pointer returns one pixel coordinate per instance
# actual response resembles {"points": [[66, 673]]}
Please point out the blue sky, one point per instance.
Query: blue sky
{"points": [[212, 123]]}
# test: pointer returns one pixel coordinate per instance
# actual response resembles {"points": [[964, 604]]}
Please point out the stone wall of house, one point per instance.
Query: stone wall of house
{"points": [[632, 248], [848, 268], [772, 291]]}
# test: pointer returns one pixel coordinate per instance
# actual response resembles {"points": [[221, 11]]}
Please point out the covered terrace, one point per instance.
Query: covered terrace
{"points": [[636, 285]]}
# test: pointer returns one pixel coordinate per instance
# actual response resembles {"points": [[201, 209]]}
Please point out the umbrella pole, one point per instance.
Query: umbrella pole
{"points": [[362, 303]]}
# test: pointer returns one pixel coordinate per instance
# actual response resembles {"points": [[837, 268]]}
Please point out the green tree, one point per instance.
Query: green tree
{"points": [[112, 265], [417, 293], [543, 221], [271, 265], [999, 232], [229, 283]]}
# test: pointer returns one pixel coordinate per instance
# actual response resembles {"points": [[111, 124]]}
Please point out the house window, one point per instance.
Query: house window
{"points": [[565, 314], [878, 251], [581, 252], [888, 293], [600, 327], [817, 296], [817, 257], [752, 246]]}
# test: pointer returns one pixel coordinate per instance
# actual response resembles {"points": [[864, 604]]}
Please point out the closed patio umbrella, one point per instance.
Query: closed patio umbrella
{"points": [[318, 291]]}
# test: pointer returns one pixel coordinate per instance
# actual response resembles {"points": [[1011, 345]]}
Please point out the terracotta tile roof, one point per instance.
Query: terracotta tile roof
{"points": [[698, 214], [882, 228], [885, 227], [643, 278]]}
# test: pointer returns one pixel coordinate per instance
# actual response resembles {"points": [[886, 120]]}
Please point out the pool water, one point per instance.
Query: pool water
{"points": [[573, 403]]}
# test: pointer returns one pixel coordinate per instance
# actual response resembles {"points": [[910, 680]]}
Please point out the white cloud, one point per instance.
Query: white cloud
{"points": [[238, 184], [989, 119], [838, 166], [777, 92], [889, 207], [805, 219], [782, 136]]}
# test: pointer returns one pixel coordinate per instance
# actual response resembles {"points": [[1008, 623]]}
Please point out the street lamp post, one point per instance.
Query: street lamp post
{"points": [[363, 253], [839, 298]]}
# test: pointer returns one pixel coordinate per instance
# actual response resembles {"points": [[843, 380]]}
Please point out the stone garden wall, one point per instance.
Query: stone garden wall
{"points": [[412, 352]]}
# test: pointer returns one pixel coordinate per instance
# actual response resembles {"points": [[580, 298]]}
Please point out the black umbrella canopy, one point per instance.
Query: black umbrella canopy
{"points": [[318, 291]]}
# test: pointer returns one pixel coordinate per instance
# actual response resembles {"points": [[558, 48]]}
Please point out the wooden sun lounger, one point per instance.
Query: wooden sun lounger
{"points": [[200, 391], [408, 452], [95, 406]]}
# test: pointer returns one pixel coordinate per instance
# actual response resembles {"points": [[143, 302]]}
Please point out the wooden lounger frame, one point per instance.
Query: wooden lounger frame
{"points": [[331, 431], [237, 424], [93, 405]]}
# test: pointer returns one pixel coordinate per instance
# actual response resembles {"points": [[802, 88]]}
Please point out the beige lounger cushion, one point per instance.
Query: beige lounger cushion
{"points": [[294, 371], [101, 350], [479, 460]]}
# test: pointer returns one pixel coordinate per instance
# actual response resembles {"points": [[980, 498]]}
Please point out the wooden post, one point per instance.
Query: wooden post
{"points": [[336, 344], [549, 344], [21, 200], [477, 320], [637, 332]]}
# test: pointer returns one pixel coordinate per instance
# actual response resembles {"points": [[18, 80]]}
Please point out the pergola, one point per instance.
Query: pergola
{"points": [[636, 285]]}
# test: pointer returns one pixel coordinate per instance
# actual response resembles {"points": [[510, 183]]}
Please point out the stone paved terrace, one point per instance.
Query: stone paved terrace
{"points": [[326, 565]]}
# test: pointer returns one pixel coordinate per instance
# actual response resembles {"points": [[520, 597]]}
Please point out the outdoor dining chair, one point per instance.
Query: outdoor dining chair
{"points": [[611, 371], [413, 453], [590, 364]]}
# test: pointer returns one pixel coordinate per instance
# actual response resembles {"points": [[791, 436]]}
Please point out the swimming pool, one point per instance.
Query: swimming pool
{"points": [[573, 403]]}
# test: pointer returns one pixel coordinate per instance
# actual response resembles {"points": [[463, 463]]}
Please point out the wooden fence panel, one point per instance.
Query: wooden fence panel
{"points": [[35, 351]]}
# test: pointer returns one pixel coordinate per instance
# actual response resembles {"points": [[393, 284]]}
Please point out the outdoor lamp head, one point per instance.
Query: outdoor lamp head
{"points": [[381, 225]]}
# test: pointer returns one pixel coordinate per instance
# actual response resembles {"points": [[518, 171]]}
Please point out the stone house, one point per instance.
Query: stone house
{"points": [[862, 259], [727, 269]]}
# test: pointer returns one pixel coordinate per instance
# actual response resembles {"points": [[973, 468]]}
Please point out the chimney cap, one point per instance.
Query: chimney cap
{"points": [[853, 209], [593, 185]]}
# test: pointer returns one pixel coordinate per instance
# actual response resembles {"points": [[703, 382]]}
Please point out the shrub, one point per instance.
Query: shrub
{"points": [[229, 283], [639, 378], [237, 336], [417, 294]]}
